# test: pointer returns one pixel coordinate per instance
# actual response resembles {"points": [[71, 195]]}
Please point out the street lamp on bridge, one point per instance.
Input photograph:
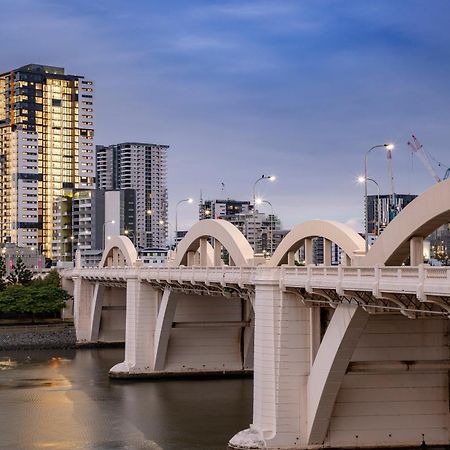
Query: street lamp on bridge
{"points": [[260, 201], [387, 147], [187, 200], [361, 180], [262, 177]]}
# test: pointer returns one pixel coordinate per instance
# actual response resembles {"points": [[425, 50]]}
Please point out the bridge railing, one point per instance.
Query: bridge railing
{"points": [[404, 279], [433, 280], [222, 275]]}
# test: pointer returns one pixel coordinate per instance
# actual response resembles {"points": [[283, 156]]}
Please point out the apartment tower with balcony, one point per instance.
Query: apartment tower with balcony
{"points": [[143, 168], [46, 147]]}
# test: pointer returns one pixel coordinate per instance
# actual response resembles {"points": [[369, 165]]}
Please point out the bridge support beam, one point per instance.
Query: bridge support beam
{"points": [[96, 312], [163, 328], [141, 315], [330, 366], [82, 298]]}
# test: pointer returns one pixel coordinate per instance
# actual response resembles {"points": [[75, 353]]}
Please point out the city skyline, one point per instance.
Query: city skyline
{"points": [[237, 89]]}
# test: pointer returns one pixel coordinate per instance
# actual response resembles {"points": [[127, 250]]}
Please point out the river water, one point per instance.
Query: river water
{"points": [[63, 399]]}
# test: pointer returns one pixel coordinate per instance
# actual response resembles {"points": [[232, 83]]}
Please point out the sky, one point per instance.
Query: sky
{"points": [[300, 89]]}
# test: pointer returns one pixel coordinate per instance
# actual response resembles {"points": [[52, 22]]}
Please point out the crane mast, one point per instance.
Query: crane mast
{"points": [[417, 148]]}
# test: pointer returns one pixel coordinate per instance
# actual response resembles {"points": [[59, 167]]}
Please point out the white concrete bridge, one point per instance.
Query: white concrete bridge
{"points": [[355, 355]]}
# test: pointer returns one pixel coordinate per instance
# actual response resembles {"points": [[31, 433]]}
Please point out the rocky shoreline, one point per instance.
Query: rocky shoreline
{"points": [[24, 337]]}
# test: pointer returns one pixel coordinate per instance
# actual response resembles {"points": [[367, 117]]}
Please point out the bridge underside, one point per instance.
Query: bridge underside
{"points": [[170, 328], [363, 380]]}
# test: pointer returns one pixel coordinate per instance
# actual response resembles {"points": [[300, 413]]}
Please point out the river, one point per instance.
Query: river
{"points": [[63, 399]]}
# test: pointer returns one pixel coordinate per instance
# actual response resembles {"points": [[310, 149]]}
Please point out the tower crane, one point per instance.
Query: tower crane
{"points": [[417, 148]]}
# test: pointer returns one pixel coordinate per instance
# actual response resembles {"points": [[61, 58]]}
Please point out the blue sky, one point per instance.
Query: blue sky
{"points": [[297, 88]]}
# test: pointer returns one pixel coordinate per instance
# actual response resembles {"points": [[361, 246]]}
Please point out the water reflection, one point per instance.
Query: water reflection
{"points": [[65, 400]]}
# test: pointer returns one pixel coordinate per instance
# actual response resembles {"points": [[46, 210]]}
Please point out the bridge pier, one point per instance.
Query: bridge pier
{"points": [[281, 368], [141, 316]]}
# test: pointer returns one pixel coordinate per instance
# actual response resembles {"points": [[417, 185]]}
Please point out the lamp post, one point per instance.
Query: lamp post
{"points": [[188, 200], [260, 201], [262, 177], [366, 212], [104, 231], [361, 180]]}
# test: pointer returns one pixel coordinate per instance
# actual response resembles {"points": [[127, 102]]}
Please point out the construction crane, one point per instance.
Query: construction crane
{"points": [[417, 148]]}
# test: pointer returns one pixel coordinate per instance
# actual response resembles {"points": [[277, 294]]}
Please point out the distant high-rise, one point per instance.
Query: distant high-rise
{"points": [[382, 209], [46, 147], [142, 167], [261, 230]]}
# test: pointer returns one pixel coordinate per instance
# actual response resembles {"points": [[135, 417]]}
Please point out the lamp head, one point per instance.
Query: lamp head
{"points": [[190, 200], [389, 146], [361, 179]]}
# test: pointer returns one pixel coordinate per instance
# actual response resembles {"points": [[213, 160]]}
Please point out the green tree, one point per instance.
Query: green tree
{"points": [[51, 279], [2, 273], [18, 299], [20, 274]]}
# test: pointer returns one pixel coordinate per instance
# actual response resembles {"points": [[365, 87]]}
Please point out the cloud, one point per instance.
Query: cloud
{"points": [[255, 10]]}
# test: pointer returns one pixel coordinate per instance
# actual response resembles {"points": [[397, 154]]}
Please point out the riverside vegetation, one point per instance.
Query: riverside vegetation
{"points": [[22, 297]]}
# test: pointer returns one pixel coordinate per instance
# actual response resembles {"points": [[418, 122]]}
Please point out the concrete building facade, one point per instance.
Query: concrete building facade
{"points": [[382, 209], [85, 219], [143, 168]]}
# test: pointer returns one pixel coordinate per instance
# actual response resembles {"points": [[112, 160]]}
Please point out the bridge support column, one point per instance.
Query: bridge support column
{"points": [[345, 259], [281, 367], [203, 252], [191, 258], [217, 253], [327, 247], [308, 251], [141, 316], [416, 250], [291, 258]]}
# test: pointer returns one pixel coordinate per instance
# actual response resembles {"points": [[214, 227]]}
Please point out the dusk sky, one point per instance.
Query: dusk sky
{"points": [[300, 89]]}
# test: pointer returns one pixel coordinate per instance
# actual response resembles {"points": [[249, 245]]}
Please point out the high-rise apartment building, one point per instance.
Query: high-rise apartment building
{"points": [[46, 147], [142, 167]]}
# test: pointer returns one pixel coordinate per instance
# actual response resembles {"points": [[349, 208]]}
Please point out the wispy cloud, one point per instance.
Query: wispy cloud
{"points": [[255, 9]]}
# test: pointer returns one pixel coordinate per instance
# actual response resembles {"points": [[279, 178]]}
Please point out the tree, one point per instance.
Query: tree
{"points": [[19, 299], [51, 279], [2, 273], [20, 274]]}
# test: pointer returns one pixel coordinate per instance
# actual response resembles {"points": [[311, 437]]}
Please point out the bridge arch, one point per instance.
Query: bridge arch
{"points": [[224, 233], [119, 252], [342, 235], [404, 235]]}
